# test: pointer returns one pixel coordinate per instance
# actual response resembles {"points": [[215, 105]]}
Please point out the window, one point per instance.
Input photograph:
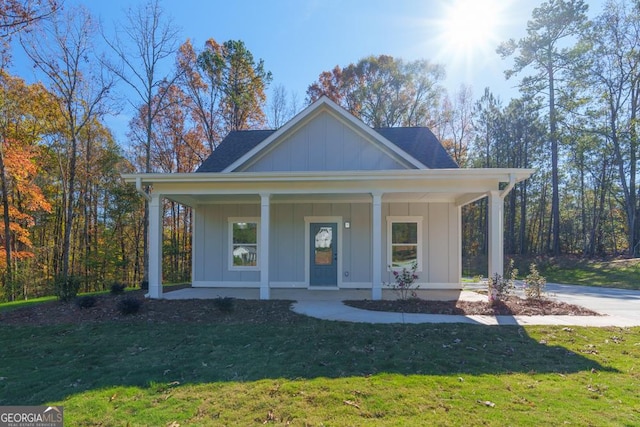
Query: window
{"points": [[405, 242], [243, 236]]}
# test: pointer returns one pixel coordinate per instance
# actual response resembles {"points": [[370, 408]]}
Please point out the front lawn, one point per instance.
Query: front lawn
{"points": [[213, 368], [623, 273]]}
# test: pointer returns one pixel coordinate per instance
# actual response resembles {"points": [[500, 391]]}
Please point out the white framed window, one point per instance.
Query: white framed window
{"points": [[404, 237], [244, 243]]}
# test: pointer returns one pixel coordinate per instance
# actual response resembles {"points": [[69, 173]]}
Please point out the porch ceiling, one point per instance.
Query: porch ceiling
{"points": [[427, 197]]}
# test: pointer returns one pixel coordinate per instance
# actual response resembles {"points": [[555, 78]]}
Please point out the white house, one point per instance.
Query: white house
{"points": [[326, 202]]}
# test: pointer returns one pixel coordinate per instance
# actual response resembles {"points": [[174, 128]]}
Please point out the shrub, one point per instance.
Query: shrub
{"points": [[129, 305], [67, 288], [534, 283], [500, 287], [86, 301], [405, 280], [117, 288], [225, 304]]}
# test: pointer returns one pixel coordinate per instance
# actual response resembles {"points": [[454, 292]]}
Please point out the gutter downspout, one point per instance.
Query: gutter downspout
{"points": [[510, 185], [140, 190]]}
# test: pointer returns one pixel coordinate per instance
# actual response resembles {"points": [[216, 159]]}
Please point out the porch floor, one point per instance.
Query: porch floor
{"points": [[319, 295]]}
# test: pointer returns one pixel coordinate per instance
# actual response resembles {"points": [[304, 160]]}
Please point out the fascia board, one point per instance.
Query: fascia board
{"points": [[496, 174]]}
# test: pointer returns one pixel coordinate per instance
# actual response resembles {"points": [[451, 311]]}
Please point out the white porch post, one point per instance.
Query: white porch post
{"points": [[496, 234], [155, 247], [376, 241], [265, 209]]}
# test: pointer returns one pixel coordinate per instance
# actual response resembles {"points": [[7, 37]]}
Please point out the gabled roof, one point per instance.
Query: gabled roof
{"points": [[418, 142], [235, 145], [418, 145]]}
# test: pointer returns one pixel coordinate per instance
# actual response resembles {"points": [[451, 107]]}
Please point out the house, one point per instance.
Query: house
{"points": [[326, 203]]}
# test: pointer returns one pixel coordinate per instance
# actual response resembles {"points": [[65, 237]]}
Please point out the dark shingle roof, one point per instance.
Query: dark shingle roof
{"points": [[421, 144], [418, 142], [235, 145]]}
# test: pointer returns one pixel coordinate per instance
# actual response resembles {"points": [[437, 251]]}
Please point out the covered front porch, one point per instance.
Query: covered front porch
{"points": [[379, 195]]}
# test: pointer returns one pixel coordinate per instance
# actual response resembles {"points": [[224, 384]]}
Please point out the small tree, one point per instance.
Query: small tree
{"points": [[501, 287], [534, 283]]}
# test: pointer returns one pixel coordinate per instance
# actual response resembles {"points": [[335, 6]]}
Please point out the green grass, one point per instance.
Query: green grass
{"points": [[623, 274], [567, 269], [14, 305], [312, 372]]}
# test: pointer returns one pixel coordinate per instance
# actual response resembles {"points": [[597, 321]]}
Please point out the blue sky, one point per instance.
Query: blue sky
{"points": [[299, 39]]}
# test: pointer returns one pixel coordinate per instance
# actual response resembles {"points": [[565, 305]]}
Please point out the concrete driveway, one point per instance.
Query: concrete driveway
{"points": [[611, 301]]}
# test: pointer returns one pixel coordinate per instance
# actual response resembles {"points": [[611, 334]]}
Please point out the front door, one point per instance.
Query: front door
{"points": [[324, 254]]}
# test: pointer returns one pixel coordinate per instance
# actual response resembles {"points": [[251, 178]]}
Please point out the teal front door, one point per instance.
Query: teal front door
{"points": [[324, 254]]}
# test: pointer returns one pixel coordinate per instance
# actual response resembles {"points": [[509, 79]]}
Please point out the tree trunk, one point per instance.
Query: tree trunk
{"points": [[66, 243], [8, 276], [553, 136]]}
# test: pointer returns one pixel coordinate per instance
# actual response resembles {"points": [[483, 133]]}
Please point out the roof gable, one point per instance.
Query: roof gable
{"points": [[326, 137]]}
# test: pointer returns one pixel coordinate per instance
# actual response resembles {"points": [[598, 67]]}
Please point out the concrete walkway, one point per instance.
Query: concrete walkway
{"points": [[619, 307]]}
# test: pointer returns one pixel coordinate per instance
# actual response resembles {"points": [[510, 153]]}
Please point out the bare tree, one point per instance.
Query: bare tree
{"points": [[281, 107], [141, 47], [62, 49]]}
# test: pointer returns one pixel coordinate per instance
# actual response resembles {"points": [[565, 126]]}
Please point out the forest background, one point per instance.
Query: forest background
{"points": [[68, 218]]}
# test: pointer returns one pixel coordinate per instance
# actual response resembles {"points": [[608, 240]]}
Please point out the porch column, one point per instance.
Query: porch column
{"points": [[376, 242], [155, 247], [265, 209], [496, 234]]}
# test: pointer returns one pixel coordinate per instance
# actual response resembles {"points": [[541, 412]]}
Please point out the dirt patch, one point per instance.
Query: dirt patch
{"points": [[158, 311], [513, 306]]}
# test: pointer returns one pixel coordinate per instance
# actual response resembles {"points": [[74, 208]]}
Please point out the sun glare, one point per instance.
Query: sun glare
{"points": [[469, 28]]}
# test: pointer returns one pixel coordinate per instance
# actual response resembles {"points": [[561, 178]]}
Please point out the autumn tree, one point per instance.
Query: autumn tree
{"points": [[546, 51], [18, 15], [383, 91], [62, 49], [204, 91], [25, 115]]}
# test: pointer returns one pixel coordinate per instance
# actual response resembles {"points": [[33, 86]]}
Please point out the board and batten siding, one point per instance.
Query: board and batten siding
{"points": [[324, 144], [441, 250]]}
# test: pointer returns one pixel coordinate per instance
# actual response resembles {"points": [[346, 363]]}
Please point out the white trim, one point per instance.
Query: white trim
{"points": [[307, 244], [155, 246], [237, 219], [376, 246], [224, 284], [470, 174], [427, 286], [496, 236], [287, 285], [265, 215], [356, 285], [420, 243], [298, 285]]}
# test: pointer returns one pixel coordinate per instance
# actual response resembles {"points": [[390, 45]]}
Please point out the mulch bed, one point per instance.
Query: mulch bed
{"points": [[157, 311], [258, 312], [512, 306]]}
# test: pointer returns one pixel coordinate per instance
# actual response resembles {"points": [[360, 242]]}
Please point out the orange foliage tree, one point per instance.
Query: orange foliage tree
{"points": [[25, 112]]}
